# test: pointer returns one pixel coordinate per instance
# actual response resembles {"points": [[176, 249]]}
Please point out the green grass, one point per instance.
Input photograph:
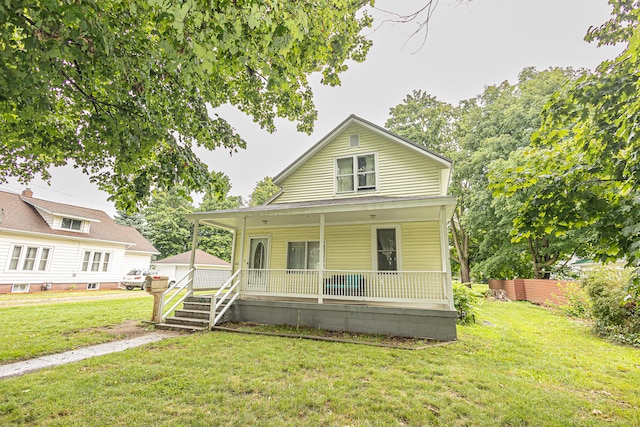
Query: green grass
{"points": [[527, 367], [35, 330]]}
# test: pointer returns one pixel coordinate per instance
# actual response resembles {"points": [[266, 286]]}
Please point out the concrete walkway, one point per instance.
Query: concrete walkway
{"points": [[21, 368]]}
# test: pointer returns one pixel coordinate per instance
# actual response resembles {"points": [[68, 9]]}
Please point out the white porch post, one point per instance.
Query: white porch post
{"points": [[233, 251], [241, 264], [194, 246], [444, 254], [321, 269]]}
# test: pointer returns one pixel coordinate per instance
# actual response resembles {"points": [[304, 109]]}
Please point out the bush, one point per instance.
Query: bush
{"points": [[617, 317], [465, 300], [578, 302]]}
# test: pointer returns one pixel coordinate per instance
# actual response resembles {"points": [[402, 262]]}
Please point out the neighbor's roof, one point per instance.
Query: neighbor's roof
{"points": [[371, 126], [202, 258], [21, 215]]}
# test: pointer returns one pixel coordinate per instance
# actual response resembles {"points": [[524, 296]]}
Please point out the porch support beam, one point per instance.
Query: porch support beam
{"points": [[194, 246], [241, 265], [321, 269], [234, 233], [444, 255]]}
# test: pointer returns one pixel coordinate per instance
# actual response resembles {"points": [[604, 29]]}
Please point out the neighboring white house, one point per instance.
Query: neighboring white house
{"points": [[48, 245], [177, 266]]}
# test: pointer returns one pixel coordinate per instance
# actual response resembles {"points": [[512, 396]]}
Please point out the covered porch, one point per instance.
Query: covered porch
{"points": [[326, 252]]}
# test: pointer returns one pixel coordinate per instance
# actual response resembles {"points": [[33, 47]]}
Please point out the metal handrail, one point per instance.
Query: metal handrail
{"points": [[225, 290], [176, 291]]}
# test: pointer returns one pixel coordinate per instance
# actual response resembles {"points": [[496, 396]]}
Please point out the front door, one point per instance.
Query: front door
{"points": [[258, 263]]}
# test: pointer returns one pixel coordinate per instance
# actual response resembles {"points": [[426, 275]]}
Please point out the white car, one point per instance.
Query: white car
{"points": [[136, 278]]}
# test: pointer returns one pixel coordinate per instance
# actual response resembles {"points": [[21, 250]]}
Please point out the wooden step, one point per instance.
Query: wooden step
{"points": [[179, 328], [196, 306], [187, 321], [192, 314]]}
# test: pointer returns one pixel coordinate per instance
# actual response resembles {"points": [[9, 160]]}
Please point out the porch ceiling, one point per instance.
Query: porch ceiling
{"points": [[340, 211]]}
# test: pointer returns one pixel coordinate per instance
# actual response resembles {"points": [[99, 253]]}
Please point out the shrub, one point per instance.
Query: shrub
{"points": [[465, 300], [578, 302], [617, 317]]}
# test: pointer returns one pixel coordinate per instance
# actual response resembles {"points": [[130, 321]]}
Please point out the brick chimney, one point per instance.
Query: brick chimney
{"points": [[27, 192]]}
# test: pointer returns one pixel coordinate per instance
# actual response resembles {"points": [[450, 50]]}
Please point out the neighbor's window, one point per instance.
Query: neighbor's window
{"points": [[387, 249], [19, 288], [95, 261], [29, 258], [356, 172], [93, 286], [303, 256], [71, 224]]}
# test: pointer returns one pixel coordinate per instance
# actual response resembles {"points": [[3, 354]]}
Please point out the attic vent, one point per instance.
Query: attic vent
{"points": [[354, 140]]}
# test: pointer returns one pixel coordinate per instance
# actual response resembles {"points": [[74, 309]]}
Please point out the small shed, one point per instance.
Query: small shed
{"points": [[178, 265]]}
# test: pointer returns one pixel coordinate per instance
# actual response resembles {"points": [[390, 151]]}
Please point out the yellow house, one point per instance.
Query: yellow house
{"points": [[356, 239]]}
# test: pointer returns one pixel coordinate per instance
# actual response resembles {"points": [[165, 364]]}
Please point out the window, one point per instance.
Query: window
{"points": [[357, 172], [71, 224], [19, 288], [303, 256], [95, 261], [354, 140], [93, 286], [387, 249], [29, 258]]}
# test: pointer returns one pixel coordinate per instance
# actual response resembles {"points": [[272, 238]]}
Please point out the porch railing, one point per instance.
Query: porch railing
{"points": [[378, 286]]}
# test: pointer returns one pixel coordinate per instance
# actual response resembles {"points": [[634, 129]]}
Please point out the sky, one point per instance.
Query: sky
{"points": [[469, 45]]}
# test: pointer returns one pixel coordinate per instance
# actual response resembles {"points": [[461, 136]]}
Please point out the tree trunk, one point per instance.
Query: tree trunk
{"points": [[461, 242]]}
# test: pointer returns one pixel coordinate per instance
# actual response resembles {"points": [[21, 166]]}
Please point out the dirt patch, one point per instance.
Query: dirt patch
{"points": [[128, 329]]}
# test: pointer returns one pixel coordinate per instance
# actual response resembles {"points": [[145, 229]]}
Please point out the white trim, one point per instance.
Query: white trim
{"points": [[374, 245]]}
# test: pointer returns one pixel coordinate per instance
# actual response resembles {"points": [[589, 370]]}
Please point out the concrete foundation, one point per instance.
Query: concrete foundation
{"points": [[404, 322]]}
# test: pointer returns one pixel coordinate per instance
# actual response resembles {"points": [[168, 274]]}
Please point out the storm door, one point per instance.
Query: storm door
{"points": [[258, 263]]}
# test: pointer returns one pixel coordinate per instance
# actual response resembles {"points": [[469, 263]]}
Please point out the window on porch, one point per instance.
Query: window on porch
{"points": [[303, 256]]}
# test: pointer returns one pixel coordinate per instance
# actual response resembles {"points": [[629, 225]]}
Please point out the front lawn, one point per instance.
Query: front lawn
{"points": [[520, 365], [40, 328]]}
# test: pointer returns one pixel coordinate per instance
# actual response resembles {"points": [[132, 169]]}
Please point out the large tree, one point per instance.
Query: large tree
{"points": [[213, 240], [263, 191], [121, 88], [169, 230], [477, 133], [586, 159]]}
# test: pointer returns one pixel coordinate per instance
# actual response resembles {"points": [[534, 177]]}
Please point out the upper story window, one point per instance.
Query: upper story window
{"points": [[29, 258], [356, 173], [71, 224]]}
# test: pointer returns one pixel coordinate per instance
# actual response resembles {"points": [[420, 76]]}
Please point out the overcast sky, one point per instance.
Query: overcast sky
{"points": [[469, 46]]}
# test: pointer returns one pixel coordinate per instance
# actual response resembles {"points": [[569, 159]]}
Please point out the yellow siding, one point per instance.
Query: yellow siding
{"points": [[349, 247], [401, 171], [421, 246]]}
